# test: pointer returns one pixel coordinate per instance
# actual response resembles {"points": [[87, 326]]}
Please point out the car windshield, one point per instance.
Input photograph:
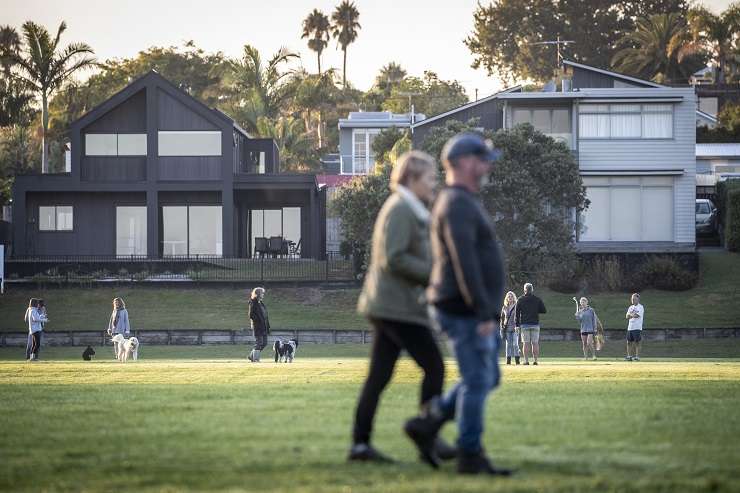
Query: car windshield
{"points": [[702, 208]]}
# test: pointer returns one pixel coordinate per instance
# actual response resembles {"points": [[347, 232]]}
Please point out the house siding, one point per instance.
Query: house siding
{"points": [[489, 113]]}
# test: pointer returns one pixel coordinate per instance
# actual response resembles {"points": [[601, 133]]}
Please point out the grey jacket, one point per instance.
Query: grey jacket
{"points": [[587, 318], [122, 326], [34, 319]]}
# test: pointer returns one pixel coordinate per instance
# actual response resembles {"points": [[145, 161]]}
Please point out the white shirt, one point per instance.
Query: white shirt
{"points": [[636, 323]]}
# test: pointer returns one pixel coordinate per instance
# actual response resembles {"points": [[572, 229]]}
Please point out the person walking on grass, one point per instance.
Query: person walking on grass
{"points": [[34, 319], [635, 316], [392, 300], [260, 323], [509, 330], [118, 323], [588, 320], [528, 310], [466, 283]]}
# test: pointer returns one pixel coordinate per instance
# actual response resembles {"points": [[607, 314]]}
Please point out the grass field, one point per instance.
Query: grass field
{"points": [[715, 302], [202, 419]]}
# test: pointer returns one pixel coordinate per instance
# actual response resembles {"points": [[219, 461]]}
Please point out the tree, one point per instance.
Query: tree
{"points": [[312, 94], [45, 67], [727, 130], [384, 143], [294, 144], [15, 99], [429, 95], [390, 75], [717, 34], [345, 26], [316, 28], [656, 50], [504, 32]]}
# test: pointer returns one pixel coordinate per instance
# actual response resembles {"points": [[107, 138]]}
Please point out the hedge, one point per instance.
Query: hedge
{"points": [[732, 221], [724, 188]]}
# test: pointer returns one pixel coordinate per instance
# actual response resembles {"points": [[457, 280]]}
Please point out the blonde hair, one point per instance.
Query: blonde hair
{"points": [[506, 297], [118, 300], [410, 166], [256, 292]]}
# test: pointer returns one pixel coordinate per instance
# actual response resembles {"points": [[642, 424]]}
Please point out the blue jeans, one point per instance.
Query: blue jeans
{"points": [[477, 360], [512, 343]]}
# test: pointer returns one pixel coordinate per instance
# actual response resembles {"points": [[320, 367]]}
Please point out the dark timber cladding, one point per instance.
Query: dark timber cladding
{"points": [[489, 114], [131, 151]]}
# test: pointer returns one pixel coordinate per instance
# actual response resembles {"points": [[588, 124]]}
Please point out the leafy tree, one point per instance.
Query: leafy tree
{"points": [[727, 130], [429, 95], [313, 95], [15, 99], [316, 28], [384, 143], [504, 32], [294, 143], [345, 27], [656, 50], [45, 67], [719, 35]]}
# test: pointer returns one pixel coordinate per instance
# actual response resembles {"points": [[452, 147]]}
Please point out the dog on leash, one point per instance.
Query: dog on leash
{"points": [[127, 348], [285, 350], [88, 353]]}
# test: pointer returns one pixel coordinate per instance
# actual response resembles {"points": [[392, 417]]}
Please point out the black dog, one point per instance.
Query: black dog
{"points": [[285, 350], [88, 353]]}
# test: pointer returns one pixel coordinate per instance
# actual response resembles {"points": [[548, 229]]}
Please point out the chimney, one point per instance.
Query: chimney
{"points": [[567, 85]]}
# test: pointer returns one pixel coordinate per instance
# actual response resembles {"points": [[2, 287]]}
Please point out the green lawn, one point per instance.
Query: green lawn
{"points": [[202, 419], [715, 302]]}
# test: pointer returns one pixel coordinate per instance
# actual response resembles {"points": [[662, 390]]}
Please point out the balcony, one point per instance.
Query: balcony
{"points": [[356, 165]]}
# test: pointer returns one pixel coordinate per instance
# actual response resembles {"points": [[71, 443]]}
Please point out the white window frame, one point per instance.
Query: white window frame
{"points": [[55, 227], [117, 138], [566, 138], [369, 157], [202, 134], [613, 109]]}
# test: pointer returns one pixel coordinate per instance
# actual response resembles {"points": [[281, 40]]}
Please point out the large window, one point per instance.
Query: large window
{"points": [[625, 121], [554, 122], [285, 222], [192, 230], [55, 218], [115, 144], [131, 230], [628, 209], [362, 160], [190, 143]]}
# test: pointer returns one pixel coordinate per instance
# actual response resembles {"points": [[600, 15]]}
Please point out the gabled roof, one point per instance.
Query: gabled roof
{"points": [[151, 77], [517, 88], [611, 73]]}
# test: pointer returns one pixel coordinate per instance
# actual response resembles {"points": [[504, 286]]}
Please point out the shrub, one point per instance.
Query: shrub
{"points": [[564, 281], [663, 273], [732, 222]]}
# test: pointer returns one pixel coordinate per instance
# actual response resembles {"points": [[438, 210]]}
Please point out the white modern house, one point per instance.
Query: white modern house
{"points": [[635, 145]]}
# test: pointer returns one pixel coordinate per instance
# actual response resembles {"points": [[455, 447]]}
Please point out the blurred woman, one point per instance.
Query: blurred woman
{"points": [[509, 330], [392, 300], [118, 323], [34, 319], [260, 323], [589, 321]]}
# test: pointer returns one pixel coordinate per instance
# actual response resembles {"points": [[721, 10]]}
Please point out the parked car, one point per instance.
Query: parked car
{"points": [[706, 217]]}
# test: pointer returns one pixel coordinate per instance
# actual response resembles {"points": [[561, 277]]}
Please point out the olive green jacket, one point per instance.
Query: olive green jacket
{"points": [[400, 265]]}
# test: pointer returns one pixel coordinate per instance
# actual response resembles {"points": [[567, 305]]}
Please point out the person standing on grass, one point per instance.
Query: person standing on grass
{"points": [[635, 315], [509, 330], [260, 323], [528, 310], [392, 300], [118, 323], [466, 284], [589, 321], [34, 319]]}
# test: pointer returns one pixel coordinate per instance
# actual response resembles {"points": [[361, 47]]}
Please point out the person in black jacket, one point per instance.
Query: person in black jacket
{"points": [[260, 323], [528, 310], [466, 285]]}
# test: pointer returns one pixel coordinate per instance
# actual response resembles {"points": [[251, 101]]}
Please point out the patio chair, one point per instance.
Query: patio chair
{"points": [[261, 247], [295, 248], [275, 246]]}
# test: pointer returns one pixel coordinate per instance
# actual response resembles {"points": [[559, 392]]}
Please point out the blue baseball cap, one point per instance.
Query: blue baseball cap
{"points": [[470, 144]]}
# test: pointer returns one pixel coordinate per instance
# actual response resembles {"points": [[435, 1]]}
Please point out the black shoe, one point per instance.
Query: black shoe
{"points": [[363, 452], [508, 360], [423, 432], [444, 450], [535, 363], [516, 359], [526, 363], [478, 464]]}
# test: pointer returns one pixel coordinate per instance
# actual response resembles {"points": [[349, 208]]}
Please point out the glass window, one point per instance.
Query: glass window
{"points": [[521, 116], [657, 125], [702, 208], [131, 230], [625, 125], [132, 144], [195, 143], [541, 120], [101, 145], [561, 121], [205, 230], [360, 153], [174, 230], [64, 218], [47, 218], [285, 222], [647, 121], [292, 224]]}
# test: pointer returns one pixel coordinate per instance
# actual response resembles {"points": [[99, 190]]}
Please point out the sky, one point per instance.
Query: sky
{"points": [[418, 34]]}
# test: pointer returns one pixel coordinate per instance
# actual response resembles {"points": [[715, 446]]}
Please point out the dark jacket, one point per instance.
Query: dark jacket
{"points": [[258, 317], [399, 267], [468, 271], [528, 309]]}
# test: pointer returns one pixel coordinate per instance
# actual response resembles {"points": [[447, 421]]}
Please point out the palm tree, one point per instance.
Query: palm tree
{"points": [[316, 28], [10, 48], [313, 93], [293, 142], [345, 28], [717, 34], [389, 76], [655, 50], [45, 67], [258, 89]]}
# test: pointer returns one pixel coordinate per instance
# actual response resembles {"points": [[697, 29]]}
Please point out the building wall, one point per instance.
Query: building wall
{"points": [[490, 114]]}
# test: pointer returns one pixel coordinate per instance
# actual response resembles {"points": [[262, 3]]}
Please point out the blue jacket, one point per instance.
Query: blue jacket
{"points": [[121, 326], [34, 319]]}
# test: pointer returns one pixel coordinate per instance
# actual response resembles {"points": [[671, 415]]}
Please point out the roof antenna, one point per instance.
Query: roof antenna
{"points": [[558, 42]]}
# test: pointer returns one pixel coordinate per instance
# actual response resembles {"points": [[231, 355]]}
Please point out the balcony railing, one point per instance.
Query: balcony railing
{"points": [[356, 165]]}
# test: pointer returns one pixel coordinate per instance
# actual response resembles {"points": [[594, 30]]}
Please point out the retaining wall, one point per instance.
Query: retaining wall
{"points": [[327, 336]]}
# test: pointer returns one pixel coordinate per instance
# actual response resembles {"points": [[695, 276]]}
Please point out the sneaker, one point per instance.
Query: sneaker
{"points": [[363, 452], [535, 363], [526, 362], [636, 358], [479, 464], [628, 358], [423, 433]]}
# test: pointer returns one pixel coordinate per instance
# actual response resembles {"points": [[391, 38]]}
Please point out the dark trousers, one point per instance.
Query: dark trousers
{"points": [[260, 341], [389, 339], [33, 345]]}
